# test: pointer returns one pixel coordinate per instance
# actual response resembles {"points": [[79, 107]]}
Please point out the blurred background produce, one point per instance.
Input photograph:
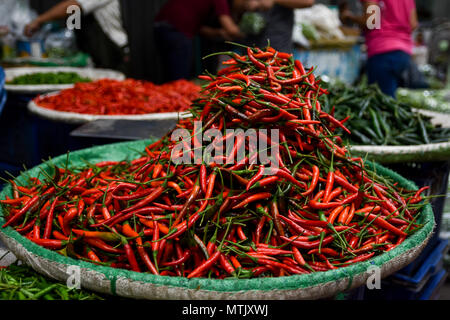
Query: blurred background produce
{"points": [[121, 36]]}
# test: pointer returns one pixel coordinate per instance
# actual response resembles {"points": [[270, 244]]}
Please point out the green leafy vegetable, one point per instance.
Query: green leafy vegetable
{"points": [[378, 119], [48, 78]]}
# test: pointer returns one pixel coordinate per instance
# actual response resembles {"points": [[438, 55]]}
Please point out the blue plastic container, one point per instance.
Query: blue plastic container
{"points": [[3, 97], [2, 90], [435, 175], [33, 48], [422, 284], [431, 265], [2, 79], [431, 291]]}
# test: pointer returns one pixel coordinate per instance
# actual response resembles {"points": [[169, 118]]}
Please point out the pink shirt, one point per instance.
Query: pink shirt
{"points": [[395, 31]]}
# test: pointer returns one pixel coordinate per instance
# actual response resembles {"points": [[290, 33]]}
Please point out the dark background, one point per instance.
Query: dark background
{"points": [[138, 16]]}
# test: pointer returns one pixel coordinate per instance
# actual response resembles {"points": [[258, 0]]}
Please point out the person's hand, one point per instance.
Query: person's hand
{"points": [[252, 5], [266, 5], [345, 15], [224, 35], [230, 27], [32, 27], [259, 5], [4, 30], [234, 32]]}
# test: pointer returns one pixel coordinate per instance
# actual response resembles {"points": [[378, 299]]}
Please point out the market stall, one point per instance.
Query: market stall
{"points": [[323, 42], [333, 209], [410, 142]]}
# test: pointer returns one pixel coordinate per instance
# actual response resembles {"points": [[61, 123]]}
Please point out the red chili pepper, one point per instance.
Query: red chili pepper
{"points": [[235, 262], [129, 232], [241, 233], [204, 266], [314, 181], [296, 227], [252, 58], [102, 245], [103, 235], [309, 244], [329, 186], [384, 224], [131, 258], [360, 258], [252, 198], [28, 205], [49, 243], [192, 197], [256, 177], [326, 251], [181, 260], [68, 217], [128, 96], [273, 221], [298, 256], [91, 255], [49, 220], [203, 178], [151, 197], [15, 201]]}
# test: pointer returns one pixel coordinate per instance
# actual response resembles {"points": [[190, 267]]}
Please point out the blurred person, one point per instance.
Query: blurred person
{"points": [[390, 47], [279, 21], [102, 34], [179, 21]]}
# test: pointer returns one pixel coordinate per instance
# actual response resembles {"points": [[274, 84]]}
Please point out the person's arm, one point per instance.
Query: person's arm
{"points": [[295, 4], [347, 15], [414, 20], [291, 4], [229, 26], [59, 11], [223, 13], [214, 33]]}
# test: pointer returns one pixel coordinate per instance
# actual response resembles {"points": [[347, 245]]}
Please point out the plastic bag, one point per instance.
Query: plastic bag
{"points": [[6, 7], [325, 20], [298, 36], [60, 44], [252, 23], [20, 16]]}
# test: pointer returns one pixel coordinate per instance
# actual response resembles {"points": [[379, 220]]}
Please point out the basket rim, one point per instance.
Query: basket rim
{"points": [[222, 285]]}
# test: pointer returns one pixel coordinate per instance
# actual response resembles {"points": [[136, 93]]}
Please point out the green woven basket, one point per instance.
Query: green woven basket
{"points": [[148, 286]]}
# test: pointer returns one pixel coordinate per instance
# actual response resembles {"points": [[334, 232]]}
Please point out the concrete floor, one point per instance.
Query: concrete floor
{"points": [[445, 291], [445, 233]]}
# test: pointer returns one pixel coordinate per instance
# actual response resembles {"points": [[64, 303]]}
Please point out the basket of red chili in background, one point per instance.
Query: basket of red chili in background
{"points": [[141, 225], [114, 99]]}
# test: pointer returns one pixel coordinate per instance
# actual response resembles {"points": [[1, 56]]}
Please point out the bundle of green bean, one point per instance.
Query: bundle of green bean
{"points": [[20, 282], [48, 78], [378, 119]]}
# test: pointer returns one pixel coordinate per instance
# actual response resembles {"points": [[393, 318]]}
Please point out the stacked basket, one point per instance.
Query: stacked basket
{"points": [[148, 286], [425, 165], [2, 90]]}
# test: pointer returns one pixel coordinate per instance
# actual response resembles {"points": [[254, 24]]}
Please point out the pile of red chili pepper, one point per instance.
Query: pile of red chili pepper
{"points": [[127, 97], [319, 210]]}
